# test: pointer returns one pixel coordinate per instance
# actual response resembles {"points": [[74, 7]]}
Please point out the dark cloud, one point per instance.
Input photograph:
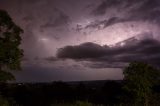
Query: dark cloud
{"points": [[148, 5], [103, 6], [51, 59], [85, 50], [101, 9], [146, 50], [61, 20], [136, 10], [112, 21], [123, 5], [105, 23], [148, 11]]}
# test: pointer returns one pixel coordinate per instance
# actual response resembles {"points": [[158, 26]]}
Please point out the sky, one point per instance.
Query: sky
{"points": [[74, 40]]}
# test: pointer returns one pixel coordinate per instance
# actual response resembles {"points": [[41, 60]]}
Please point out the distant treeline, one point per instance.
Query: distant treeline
{"points": [[46, 94]]}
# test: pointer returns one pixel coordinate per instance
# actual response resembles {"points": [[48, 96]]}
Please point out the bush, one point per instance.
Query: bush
{"points": [[3, 101]]}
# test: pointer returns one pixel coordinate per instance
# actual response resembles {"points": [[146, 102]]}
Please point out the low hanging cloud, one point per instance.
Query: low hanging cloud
{"points": [[146, 50], [83, 51]]}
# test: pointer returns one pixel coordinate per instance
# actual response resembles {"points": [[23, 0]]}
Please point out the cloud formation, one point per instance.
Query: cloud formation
{"points": [[83, 51], [52, 24], [126, 11], [104, 5], [146, 50], [104, 23], [61, 20]]}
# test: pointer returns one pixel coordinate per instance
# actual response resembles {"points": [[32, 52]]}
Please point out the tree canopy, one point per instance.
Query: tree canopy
{"points": [[10, 53], [140, 78]]}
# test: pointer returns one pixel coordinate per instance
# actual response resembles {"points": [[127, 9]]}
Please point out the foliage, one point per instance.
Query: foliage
{"points": [[3, 102], [140, 78], [10, 54], [4, 76], [108, 93]]}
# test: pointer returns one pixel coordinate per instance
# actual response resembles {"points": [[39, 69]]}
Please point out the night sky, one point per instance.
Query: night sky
{"points": [[72, 40]]}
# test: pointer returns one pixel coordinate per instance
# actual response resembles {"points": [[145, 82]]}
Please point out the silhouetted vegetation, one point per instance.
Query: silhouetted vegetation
{"points": [[65, 93], [139, 80], [10, 53]]}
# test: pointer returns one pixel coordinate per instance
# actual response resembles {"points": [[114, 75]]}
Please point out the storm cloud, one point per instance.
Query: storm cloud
{"points": [[104, 5], [91, 34], [146, 50], [133, 10]]}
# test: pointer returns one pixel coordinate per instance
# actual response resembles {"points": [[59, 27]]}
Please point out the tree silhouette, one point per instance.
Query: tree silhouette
{"points": [[10, 54], [140, 78]]}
